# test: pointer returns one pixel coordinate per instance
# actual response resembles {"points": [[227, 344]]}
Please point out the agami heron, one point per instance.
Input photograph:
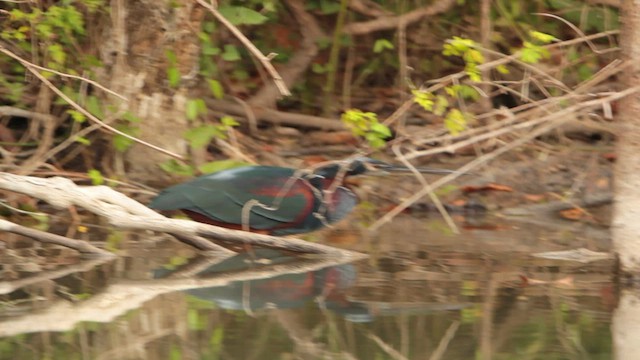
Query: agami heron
{"points": [[273, 200]]}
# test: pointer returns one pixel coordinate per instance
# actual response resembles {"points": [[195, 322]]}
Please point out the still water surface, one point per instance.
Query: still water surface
{"points": [[422, 294]]}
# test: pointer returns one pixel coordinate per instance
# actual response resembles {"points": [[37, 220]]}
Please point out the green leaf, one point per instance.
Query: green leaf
{"points": [[462, 91], [530, 56], [216, 338], [473, 56], [423, 98], [57, 53], [202, 106], [216, 88], [239, 15], [473, 72], [382, 44], [193, 320], [173, 74], [374, 141], [82, 140], [231, 53], [95, 176], [122, 143], [215, 166], [441, 105], [94, 107], [200, 136], [93, 5], [175, 261], [318, 68], [366, 125], [381, 129], [209, 49], [209, 26], [128, 116], [455, 122], [192, 109], [532, 53], [76, 115], [43, 221], [502, 69], [584, 72], [171, 166], [458, 46], [229, 121], [542, 37], [171, 57], [328, 7]]}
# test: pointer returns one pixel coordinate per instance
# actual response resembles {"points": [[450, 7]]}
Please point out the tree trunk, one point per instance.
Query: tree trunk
{"points": [[626, 216], [135, 46]]}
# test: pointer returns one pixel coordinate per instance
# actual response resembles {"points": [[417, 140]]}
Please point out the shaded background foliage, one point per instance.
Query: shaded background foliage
{"points": [[361, 71]]}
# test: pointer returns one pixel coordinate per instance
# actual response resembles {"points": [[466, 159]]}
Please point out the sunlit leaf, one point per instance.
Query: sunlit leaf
{"points": [[230, 53], [172, 166], [192, 109], [216, 88], [382, 44], [122, 143], [94, 107], [95, 176], [76, 115], [174, 77], [441, 105], [240, 15], [542, 37], [423, 98], [455, 121], [502, 69], [200, 136], [229, 121], [82, 140], [216, 338]]}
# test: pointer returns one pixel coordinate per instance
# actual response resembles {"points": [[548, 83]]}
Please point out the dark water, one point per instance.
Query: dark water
{"points": [[422, 294]]}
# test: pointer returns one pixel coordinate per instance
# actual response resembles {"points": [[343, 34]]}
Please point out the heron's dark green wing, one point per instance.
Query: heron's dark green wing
{"points": [[222, 196]]}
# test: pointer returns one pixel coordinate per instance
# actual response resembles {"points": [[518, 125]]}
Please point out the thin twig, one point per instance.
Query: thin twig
{"points": [[395, 354], [444, 342], [84, 79], [434, 198], [45, 237], [33, 69], [445, 80], [560, 118], [266, 61], [527, 124]]}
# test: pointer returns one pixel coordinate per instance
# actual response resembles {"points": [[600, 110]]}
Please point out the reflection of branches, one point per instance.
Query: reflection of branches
{"points": [[197, 265], [7, 287], [303, 338], [444, 342], [387, 348], [120, 297], [124, 212]]}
